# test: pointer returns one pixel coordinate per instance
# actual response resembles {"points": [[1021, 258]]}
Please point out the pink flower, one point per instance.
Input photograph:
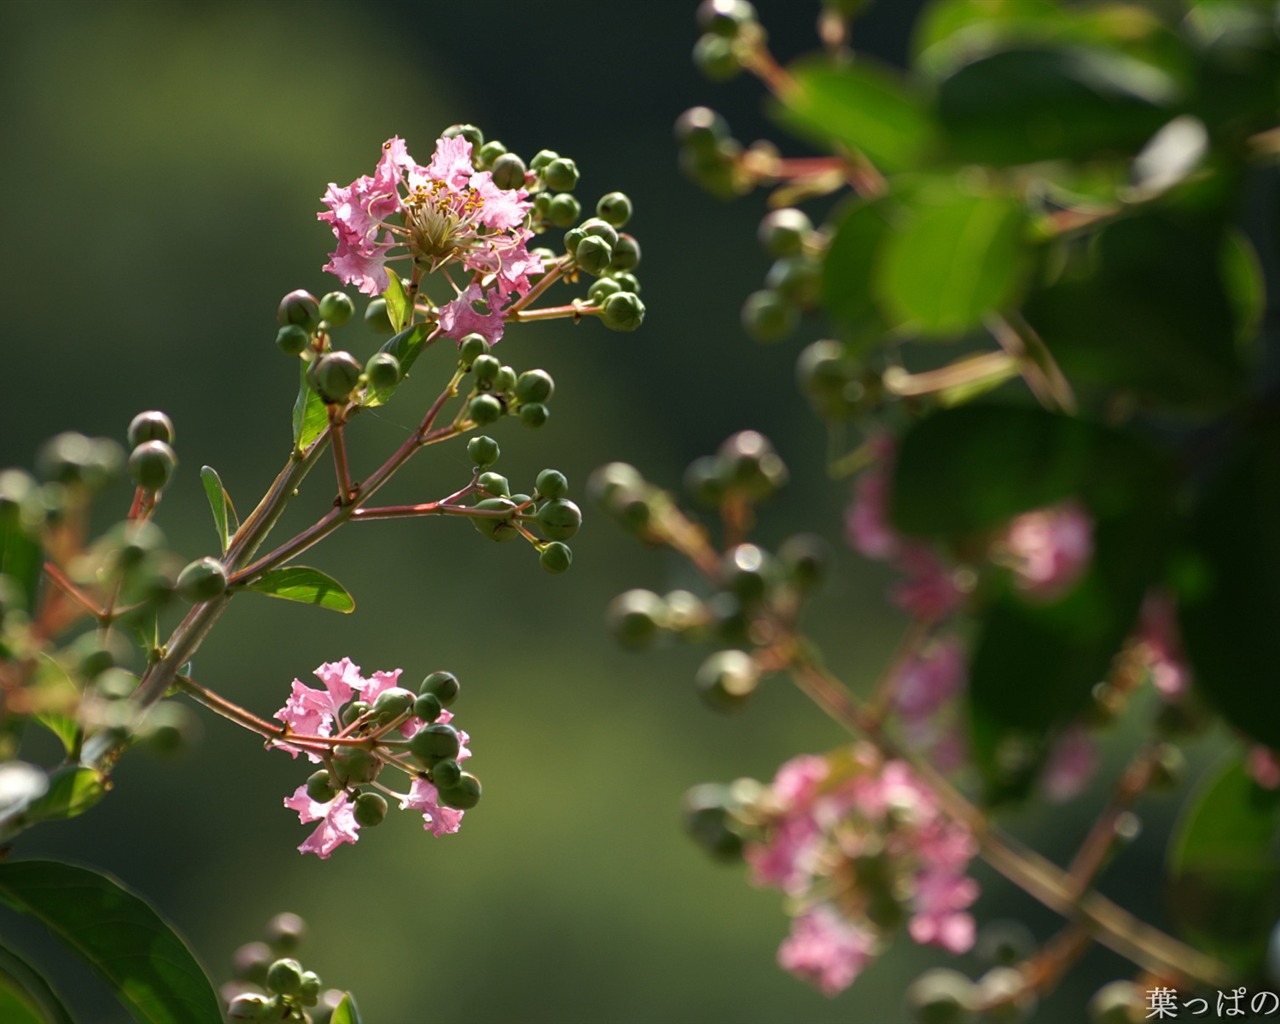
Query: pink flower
{"points": [[926, 680], [461, 317], [312, 712], [826, 949], [1158, 633], [1049, 549], [1072, 763], [1263, 767], [930, 592], [436, 818], [942, 890], [337, 822], [867, 520]]}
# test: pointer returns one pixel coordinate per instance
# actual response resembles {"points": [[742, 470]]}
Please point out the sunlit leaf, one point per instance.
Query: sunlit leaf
{"points": [[304, 585], [224, 514], [310, 417], [72, 791], [346, 1011], [398, 310]]}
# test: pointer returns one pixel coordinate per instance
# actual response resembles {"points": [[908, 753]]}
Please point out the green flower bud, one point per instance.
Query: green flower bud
{"points": [[686, 614], [443, 685], [601, 289], [152, 425], [382, 370], [309, 994], [828, 379], [337, 308], [354, 765], [445, 774], [783, 232], [593, 254], [725, 17], [560, 175], [804, 558], [471, 348], [151, 464], [334, 376], [499, 528], [747, 571], [71, 458], [320, 786], [706, 480], [391, 704], [614, 208], [508, 171], [1006, 996], [599, 228], [250, 1006], [484, 409], [299, 307], [505, 380], [708, 820], [369, 809], [572, 239], [354, 711], [292, 339], [629, 282], [495, 483], [559, 519], [486, 368], [285, 977], [634, 617], [626, 254], [427, 707], [556, 558], [468, 131], [483, 450], [940, 996], [766, 316], [729, 619], [753, 468], [464, 796], [622, 312], [376, 317], [551, 483], [436, 742], [542, 158], [563, 210], [534, 415], [202, 580], [535, 386], [701, 129], [727, 679], [488, 153], [716, 57], [250, 962], [115, 684], [1117, 1002]]}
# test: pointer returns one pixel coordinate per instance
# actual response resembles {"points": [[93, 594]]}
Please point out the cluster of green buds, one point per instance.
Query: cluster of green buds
{"points": [[600, 248], [731, 36], [499, 390], [793, 283], [306, 326], [270, 984]]}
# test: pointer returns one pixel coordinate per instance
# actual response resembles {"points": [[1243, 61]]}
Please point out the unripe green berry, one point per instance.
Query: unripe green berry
{"points": [[427, 707], [783, 232], [560, 175], [572, 239], [285, 932], [152, 425], [471, 348], [391, 704], [444, 686], [382, 371], [626, 253], [598, 228], [622, 312], [285, 977], [299, 307], [354, 711], [559, 519], [498, 528], [334, 376], [725, 17], [292, 339], [483, 451], [635, 617], [445, 774], [563, 210], [727, 679], [151, 464], [309, 994], [508, 171], [535, 386], [376, 317], [488, 153], [551, 483], [629, 282], [250, 1006], [355, 765], [593, 254], [484, 409], [320, 786], [601, 289], [369, 809], [463, 796], [486, 368], [202, 580], [797, 279], [534, 415], [701, 129], [495, 483], [505, 381], [336, 308], [753, 468], [708, 820], [766, 316], [468, 131], [940, 996], [614, 208], [716, 57], [556, 558], [436, 742]]}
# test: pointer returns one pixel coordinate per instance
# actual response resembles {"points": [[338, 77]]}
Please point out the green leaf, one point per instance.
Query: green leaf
{"points": [[65, 727], [847, 268], [1223, 870], [310, 417], [956, 259], [224, 513], [866, 107], [346, 1012], [147, 965], [949, 31], [398, 310], [1244, 283], [1037, 103], [406, 347], [21, 557], [72, 791], [304, 585], [25, 996]]}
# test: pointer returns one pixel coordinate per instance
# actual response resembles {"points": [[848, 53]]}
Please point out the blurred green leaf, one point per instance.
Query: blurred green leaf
{"points": [[72, 791], [304, 585], [21, 557], [1224, 874], [346, 1012], [847, 268], [65, 727], [865, 106], [25, 996], [954, 260], [224, 514], [398, 310], [146, 964], [949, 32], [406, 347], [1244, 283], [310, 417], [1021, 106]]}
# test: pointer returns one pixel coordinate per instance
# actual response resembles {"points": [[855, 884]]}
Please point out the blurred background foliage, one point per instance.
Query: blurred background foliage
{"points": [[162, 166]]}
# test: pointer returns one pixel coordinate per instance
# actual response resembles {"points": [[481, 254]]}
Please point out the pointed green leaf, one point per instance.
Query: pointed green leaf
{"points": [[310, 417], [346, 1012], [397, 303], [406, 347], [65, 727], [224, 513], [21, 558], [147, 965], [304, 585], [25, 996], [72, 791], [847, 269]]}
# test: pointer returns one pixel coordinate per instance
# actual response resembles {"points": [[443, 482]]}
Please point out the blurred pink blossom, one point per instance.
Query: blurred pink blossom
{"points": [[1072, 762], [827, 949], [1049, 549], [1158, 634]]}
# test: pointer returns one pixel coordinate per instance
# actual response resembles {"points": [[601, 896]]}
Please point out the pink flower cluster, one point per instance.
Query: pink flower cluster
{"points": [[314, 714], [826, 815], [1049, 549], [446, 213]]}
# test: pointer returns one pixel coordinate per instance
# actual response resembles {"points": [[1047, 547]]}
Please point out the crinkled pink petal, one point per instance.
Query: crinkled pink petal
{"points": [[1072, 763], [451, 162], [371, 689], [459, 318], [337, 822], [436, 819], [929, 592], [798, 780], [503, 209], [826, 949], [341, 678], [788, 859], [366, 270], [926, 680], [1050, 549]]}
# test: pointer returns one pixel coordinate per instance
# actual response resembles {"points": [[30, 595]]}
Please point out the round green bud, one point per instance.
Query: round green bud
{"points": [[797, 279], [727, 679], [593, 254], [600, 228], [1169, 768], [563, 210], [783, 232], [729, 620], [471, 348], [541, 203], [152, 425], [706, 480], [940, 996], [115, 684], [601, 289], [169, 729], [542, 158], [747, 572], [299, 307], [534, 415], [804, 558], [626, 253], [334, 376], [309, 994], [551, 483], [520, 499], [622, 312], [369, 809], [292, 339], [382, 370], [392, 703], [1006, 996], [468, 131], [629, 282], [753, 468], [336, 308], [355, 765], [535, 386], [427, 707], [250, 1006], [484, 409], [202, 580], [556, 558], [92, 658], [572, 238], [614, 208], [354, 711], [498, 528], [489, 153], [376, 317], [766, 316], [716, 57], [508, 171], [250, 962], [708, 820], [445, 774], [67, 458], [686, 614], [635, 617], [725, 17], [486, 368], [151, 464], [701, 129], [560, 175], [505, 380], [495, 483], [463, 796], [1117, 1002], [614, 482], [285, 977], [436, 742], [285, 932], [320, 786], [444, 686], [559, 519], [827, 378], [483, 451]]}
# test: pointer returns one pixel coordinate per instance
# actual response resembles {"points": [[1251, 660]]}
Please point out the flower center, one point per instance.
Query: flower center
{"points": [[442, 220]]}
